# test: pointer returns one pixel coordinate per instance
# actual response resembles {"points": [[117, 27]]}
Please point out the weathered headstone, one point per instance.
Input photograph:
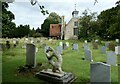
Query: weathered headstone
{"points": [[86, 46], [100, 73], [88, 55], [103, 49], [111, 58], [117, 49], [107, 44], [59, 49], [45, 49], [112, 46], [31, 55], [24, 45], [64, 46], [7, 44], [85, 41], [36, 49], [75, 46], [95, 45]]}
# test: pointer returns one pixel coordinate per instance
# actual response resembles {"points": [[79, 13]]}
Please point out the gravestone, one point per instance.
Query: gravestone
{"points": [[75, 46], [85, 41], [100, 73], [112, 46], [111, 58], [24, 45], [95, 45], [103, 49], [61, 43], [88, 55], [86, 46], [36, 49], [31, 55], [106, 44], [64, 46], [59, 49], [117, 49], [7, 44], [14, 43], [67, 44], [45, 49]]}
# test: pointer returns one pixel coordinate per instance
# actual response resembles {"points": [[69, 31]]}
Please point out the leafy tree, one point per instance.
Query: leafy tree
{"points": [[7, 25], [53, 18], [88, 25], [109, 23], [22, 30]]}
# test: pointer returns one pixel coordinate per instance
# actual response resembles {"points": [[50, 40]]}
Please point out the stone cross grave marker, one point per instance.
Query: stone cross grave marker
{"points": [[117, 49], [31, 55], [100, 72], [75, 46], [95, 45], [88, 55], [103, 49], [59, 49], [111, 58]]}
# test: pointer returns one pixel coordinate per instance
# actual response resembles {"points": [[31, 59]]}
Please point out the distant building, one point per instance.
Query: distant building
{"points": [[55, 30], [66, 31]]}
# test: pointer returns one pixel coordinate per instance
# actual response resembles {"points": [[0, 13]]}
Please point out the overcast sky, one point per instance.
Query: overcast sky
{"points": [[25, 13]]}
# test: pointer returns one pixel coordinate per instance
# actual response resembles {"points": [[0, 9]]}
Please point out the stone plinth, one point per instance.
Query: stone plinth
{"points": [[52, 77]]}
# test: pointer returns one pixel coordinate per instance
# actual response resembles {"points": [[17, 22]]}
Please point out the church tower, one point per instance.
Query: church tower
{"points": [[75, 13]]}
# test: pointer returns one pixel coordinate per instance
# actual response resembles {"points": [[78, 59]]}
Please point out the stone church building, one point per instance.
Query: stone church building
{"points": [[66, 31]]}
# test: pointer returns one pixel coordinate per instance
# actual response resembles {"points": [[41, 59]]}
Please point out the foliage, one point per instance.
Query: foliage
{"points": [[109, 23], [88, 25], [7, 25], [53, 18]]}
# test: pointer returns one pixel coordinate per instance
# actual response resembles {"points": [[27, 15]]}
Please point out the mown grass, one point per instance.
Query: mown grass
{"points": [[72, 62]]}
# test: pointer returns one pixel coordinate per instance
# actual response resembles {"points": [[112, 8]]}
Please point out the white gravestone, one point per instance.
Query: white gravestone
{"points": [[100, 72], [117, 40], [85, 41], [67, 44], [36, 50], [103, 49], [61, 43], [88, 55], [111, 58], [75, 46], [31, 55], [59, 49], [117, 49]]}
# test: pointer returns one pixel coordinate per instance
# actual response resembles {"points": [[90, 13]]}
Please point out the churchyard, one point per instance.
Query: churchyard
{"points": [[80, 60]]}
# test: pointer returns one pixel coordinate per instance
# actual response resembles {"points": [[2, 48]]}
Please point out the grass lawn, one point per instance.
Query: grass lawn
{"points": [[72, 62]]}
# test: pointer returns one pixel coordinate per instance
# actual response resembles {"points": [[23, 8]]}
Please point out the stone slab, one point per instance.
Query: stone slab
{"points": [[51, 78]]}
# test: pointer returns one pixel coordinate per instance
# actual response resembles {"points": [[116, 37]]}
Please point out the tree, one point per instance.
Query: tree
{"points": [[7, 25], [88, 25], [53, 18], [109, 23]]}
